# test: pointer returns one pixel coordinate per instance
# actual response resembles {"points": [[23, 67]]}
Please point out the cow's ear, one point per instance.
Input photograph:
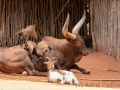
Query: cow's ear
{"points": [[68, 39]]}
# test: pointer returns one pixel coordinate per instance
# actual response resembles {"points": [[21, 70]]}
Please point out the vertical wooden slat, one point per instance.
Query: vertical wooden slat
{"points": [[106, 27], [118, 33], [4, 39], [115, 28], [92, 24]]}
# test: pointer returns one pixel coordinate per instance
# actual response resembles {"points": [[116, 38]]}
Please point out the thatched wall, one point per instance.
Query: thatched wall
{"points": [[18, 14], [105, 26]]}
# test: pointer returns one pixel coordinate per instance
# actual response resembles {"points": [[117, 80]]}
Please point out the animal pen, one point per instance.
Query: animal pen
{"points": [[102, 22]]}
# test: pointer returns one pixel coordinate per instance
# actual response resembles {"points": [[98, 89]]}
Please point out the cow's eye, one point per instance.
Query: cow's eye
{"points": [[78, 43]]}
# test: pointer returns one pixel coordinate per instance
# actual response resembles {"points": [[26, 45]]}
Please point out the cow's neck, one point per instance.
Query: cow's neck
{"points": [[65, 48], [62, 46]]}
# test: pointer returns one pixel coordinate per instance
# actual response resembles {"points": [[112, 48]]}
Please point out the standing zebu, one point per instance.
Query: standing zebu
{"points": [[69, 50]]}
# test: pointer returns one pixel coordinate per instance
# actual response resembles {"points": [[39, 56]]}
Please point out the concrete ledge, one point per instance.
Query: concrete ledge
{"points": [[28, 85]]}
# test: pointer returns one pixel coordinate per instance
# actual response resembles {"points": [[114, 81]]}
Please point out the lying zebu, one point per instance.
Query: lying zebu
{"points": [[69, 50], [59, 76], [16, 60]]}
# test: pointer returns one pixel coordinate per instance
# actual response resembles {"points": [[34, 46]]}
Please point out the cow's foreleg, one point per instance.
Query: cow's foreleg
{"points": [[29, 68], [33, 72], [84, 71]]}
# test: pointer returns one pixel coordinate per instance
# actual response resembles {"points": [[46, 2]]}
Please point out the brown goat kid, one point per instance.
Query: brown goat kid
{"points": [[26, 33], [33, 48]]}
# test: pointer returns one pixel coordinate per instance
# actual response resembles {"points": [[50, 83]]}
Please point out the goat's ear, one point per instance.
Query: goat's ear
{"points": [[54, 61]]}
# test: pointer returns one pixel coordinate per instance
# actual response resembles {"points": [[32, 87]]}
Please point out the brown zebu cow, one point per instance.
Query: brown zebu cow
{"points": [[69, 50], [16, 60]]}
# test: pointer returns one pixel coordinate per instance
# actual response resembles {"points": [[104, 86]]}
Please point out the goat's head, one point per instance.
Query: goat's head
{"points": [[50, 62], [74, 38]]}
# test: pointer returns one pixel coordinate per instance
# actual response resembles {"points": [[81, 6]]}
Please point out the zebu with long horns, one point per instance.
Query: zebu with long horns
{"points": [[69, 50]]}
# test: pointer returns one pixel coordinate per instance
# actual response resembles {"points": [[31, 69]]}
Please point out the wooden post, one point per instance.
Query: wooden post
{"points": [[85, 23], [52, 21]]}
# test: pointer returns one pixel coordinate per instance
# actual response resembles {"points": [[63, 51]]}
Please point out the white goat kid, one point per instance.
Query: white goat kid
{"points": [[59, 76]]}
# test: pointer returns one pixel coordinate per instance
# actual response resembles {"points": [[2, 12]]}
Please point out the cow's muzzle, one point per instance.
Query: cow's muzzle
{"points": [[85, 53]]}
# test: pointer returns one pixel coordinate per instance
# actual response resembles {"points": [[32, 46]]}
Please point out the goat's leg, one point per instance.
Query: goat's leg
{"points": [[20, 40], [20, 43], [36, 41], [84, 71], [30, 55], [26, 43], [29, 50]]}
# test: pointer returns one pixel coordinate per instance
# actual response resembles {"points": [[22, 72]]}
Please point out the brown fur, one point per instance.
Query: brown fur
{"points": [[33, 48], [70, 50], [28, 32], [16, 60]]}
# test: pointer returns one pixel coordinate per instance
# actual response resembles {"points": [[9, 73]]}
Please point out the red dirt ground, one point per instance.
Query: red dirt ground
{"points": [[95, 62]]}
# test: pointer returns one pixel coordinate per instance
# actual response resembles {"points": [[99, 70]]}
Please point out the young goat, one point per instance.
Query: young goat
{"points": [[26, 33], [56, 76], [33, 48]]}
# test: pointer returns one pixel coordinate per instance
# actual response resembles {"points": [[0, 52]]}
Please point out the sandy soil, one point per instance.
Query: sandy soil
{"points": [[95, 62]]}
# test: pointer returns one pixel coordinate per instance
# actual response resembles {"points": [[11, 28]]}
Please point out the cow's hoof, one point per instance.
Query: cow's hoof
{"points": [[86, 72], [24, 73]]}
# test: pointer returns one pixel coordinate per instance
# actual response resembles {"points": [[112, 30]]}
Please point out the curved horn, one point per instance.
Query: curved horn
{"points": [[79, 24], [65, 30]]}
